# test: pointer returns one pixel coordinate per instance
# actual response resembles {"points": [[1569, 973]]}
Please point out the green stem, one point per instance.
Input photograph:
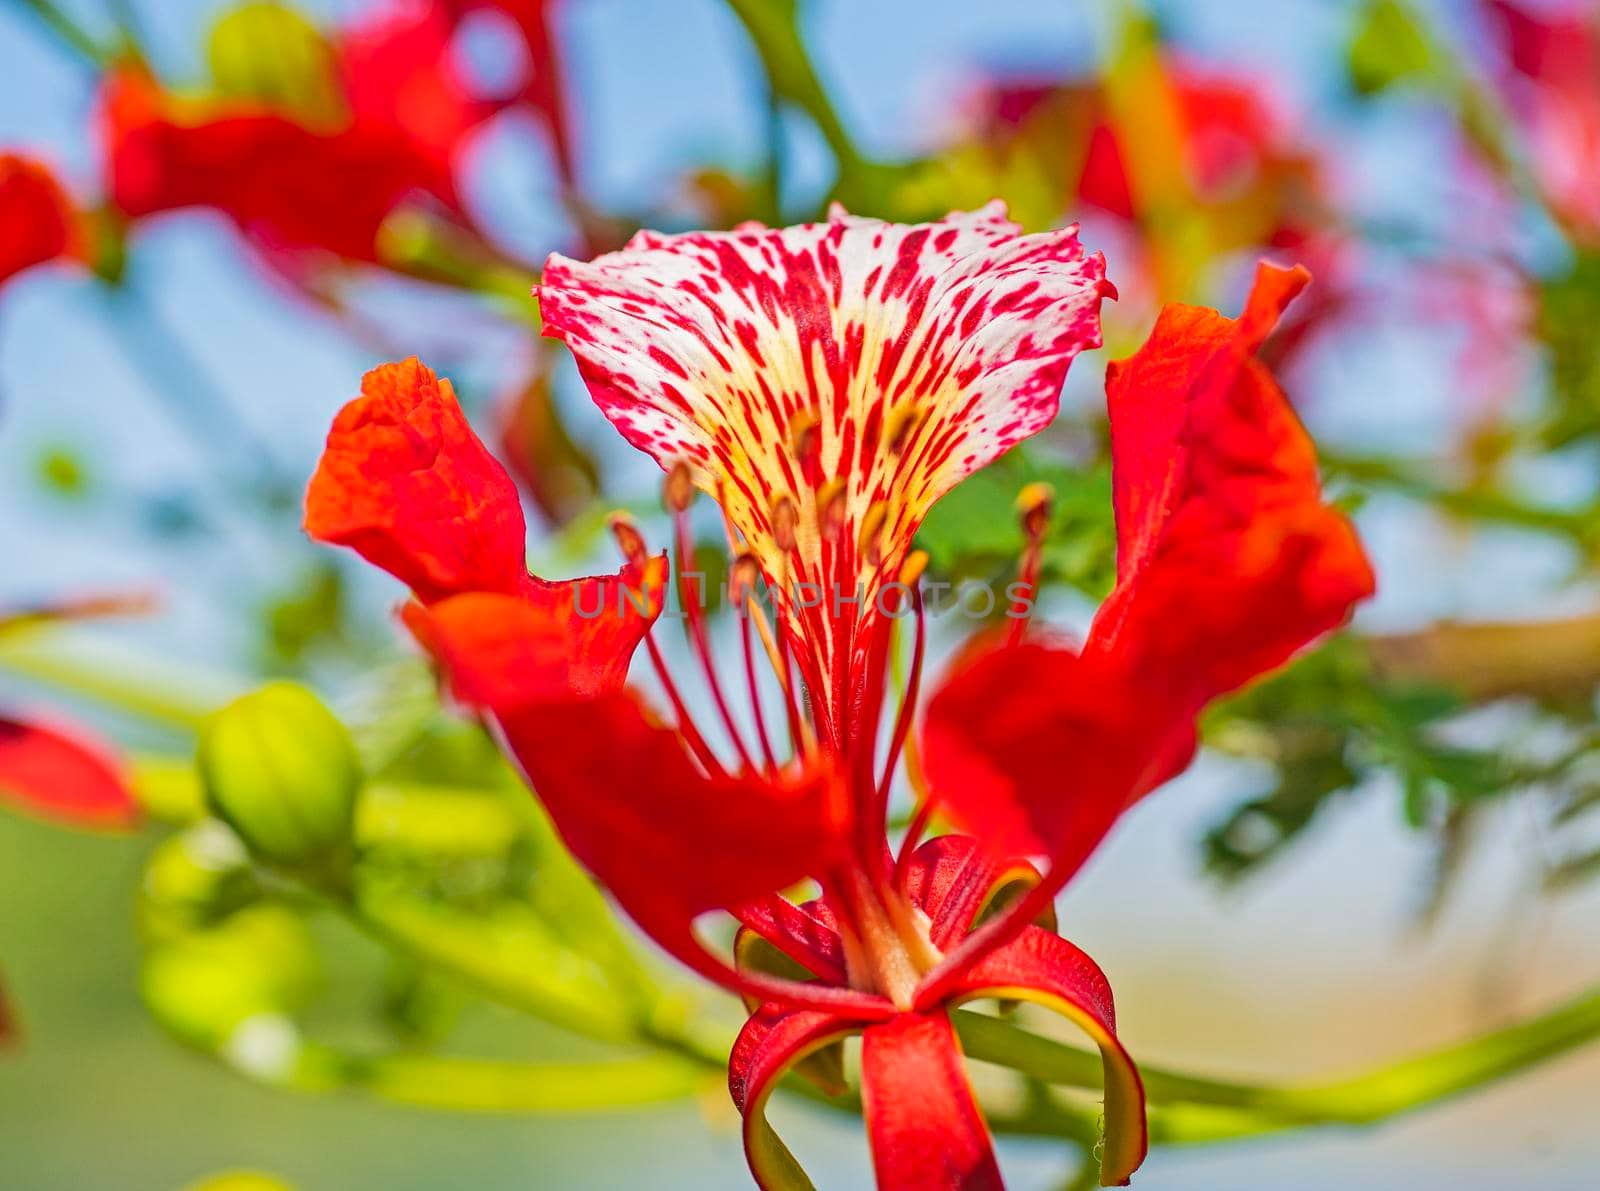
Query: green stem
{"points": [[118, 679], [1189, 1109], [67, 30], [477, 1085], [773, 26]]}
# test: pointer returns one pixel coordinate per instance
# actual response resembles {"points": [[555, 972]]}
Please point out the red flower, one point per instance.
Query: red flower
{"points": [[59, 774], [1552, 78], [827, 384], [38, 222], [399, 120]]}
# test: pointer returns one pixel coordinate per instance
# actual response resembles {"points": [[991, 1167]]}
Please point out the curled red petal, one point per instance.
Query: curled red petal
{"points": [[951, 879], [406, 483], [771, 1043], [1228, 560], [1037, 751], [1046, 969], [37, 220], [806, 934], [62, 776], [923, 1122], [668, 840], [553, 641]]}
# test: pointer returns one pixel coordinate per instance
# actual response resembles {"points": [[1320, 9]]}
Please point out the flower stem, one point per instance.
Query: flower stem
{"points": [[1187, 1109]]}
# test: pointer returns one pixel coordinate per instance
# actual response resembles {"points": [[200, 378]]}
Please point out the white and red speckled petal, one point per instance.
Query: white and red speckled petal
{"points": [[891, 359]]}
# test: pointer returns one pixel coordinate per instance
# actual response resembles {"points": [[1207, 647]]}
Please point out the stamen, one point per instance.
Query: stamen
{"points": [[742, 579], [678, 495], [633, 547], [908, 703], [1033, 510]]}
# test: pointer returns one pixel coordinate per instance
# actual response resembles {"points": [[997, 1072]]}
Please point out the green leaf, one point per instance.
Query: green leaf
{"points": [[276, 56], [1389, 47]]}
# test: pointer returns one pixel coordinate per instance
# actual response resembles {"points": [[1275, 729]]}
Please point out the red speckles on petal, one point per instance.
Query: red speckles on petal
{"points": [[957, 333]]}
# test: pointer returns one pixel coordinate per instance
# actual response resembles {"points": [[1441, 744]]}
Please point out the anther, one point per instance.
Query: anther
{"points": [[805, 439], [629, 540], [1034, 505], [784, 522], [902, 424], [870, 540], [677, 493], [911, 570], [831, 508]]}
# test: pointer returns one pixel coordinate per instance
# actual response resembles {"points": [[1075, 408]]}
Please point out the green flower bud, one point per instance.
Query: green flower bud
{"points": [[235, 986], [194, 880], [282, 771]]}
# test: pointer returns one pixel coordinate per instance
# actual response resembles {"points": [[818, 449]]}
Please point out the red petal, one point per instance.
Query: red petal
{"points": [[1228, 560], [555, 640], [1037, 751], [289, 187], [37, 221], [64, 777], [1046, 969], [398, 68], [806, 934], [406, 483], [772, 1042], [924, 1124], [669, 841], [951, 878]]}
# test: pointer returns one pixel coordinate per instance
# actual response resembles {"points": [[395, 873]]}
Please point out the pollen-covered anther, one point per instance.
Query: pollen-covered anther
{"points": [[805, 442], [677, 491], [629, 540], [870, 540], [1034, 506], [912, 569], [831, 509], [785, 521], [744, 573], [903, 424]]}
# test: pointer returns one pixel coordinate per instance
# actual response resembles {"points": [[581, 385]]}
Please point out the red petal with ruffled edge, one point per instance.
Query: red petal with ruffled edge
{"points": [[63, 777], [555, 640], [924, 1125], [1046, 969], [406, 483], [1228, 561], [1037, 751], [770, 1045], [37, 220]]}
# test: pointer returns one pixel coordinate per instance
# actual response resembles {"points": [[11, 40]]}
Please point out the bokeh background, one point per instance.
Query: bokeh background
{"points": [[154, 436]]}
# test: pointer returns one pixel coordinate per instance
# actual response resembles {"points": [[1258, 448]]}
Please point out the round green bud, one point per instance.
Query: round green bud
{"points": [[281, 770]]}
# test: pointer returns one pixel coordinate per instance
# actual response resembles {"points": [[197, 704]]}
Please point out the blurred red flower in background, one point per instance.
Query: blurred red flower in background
{"points": [[1550, 73], [361, 122], [38, 221]]}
